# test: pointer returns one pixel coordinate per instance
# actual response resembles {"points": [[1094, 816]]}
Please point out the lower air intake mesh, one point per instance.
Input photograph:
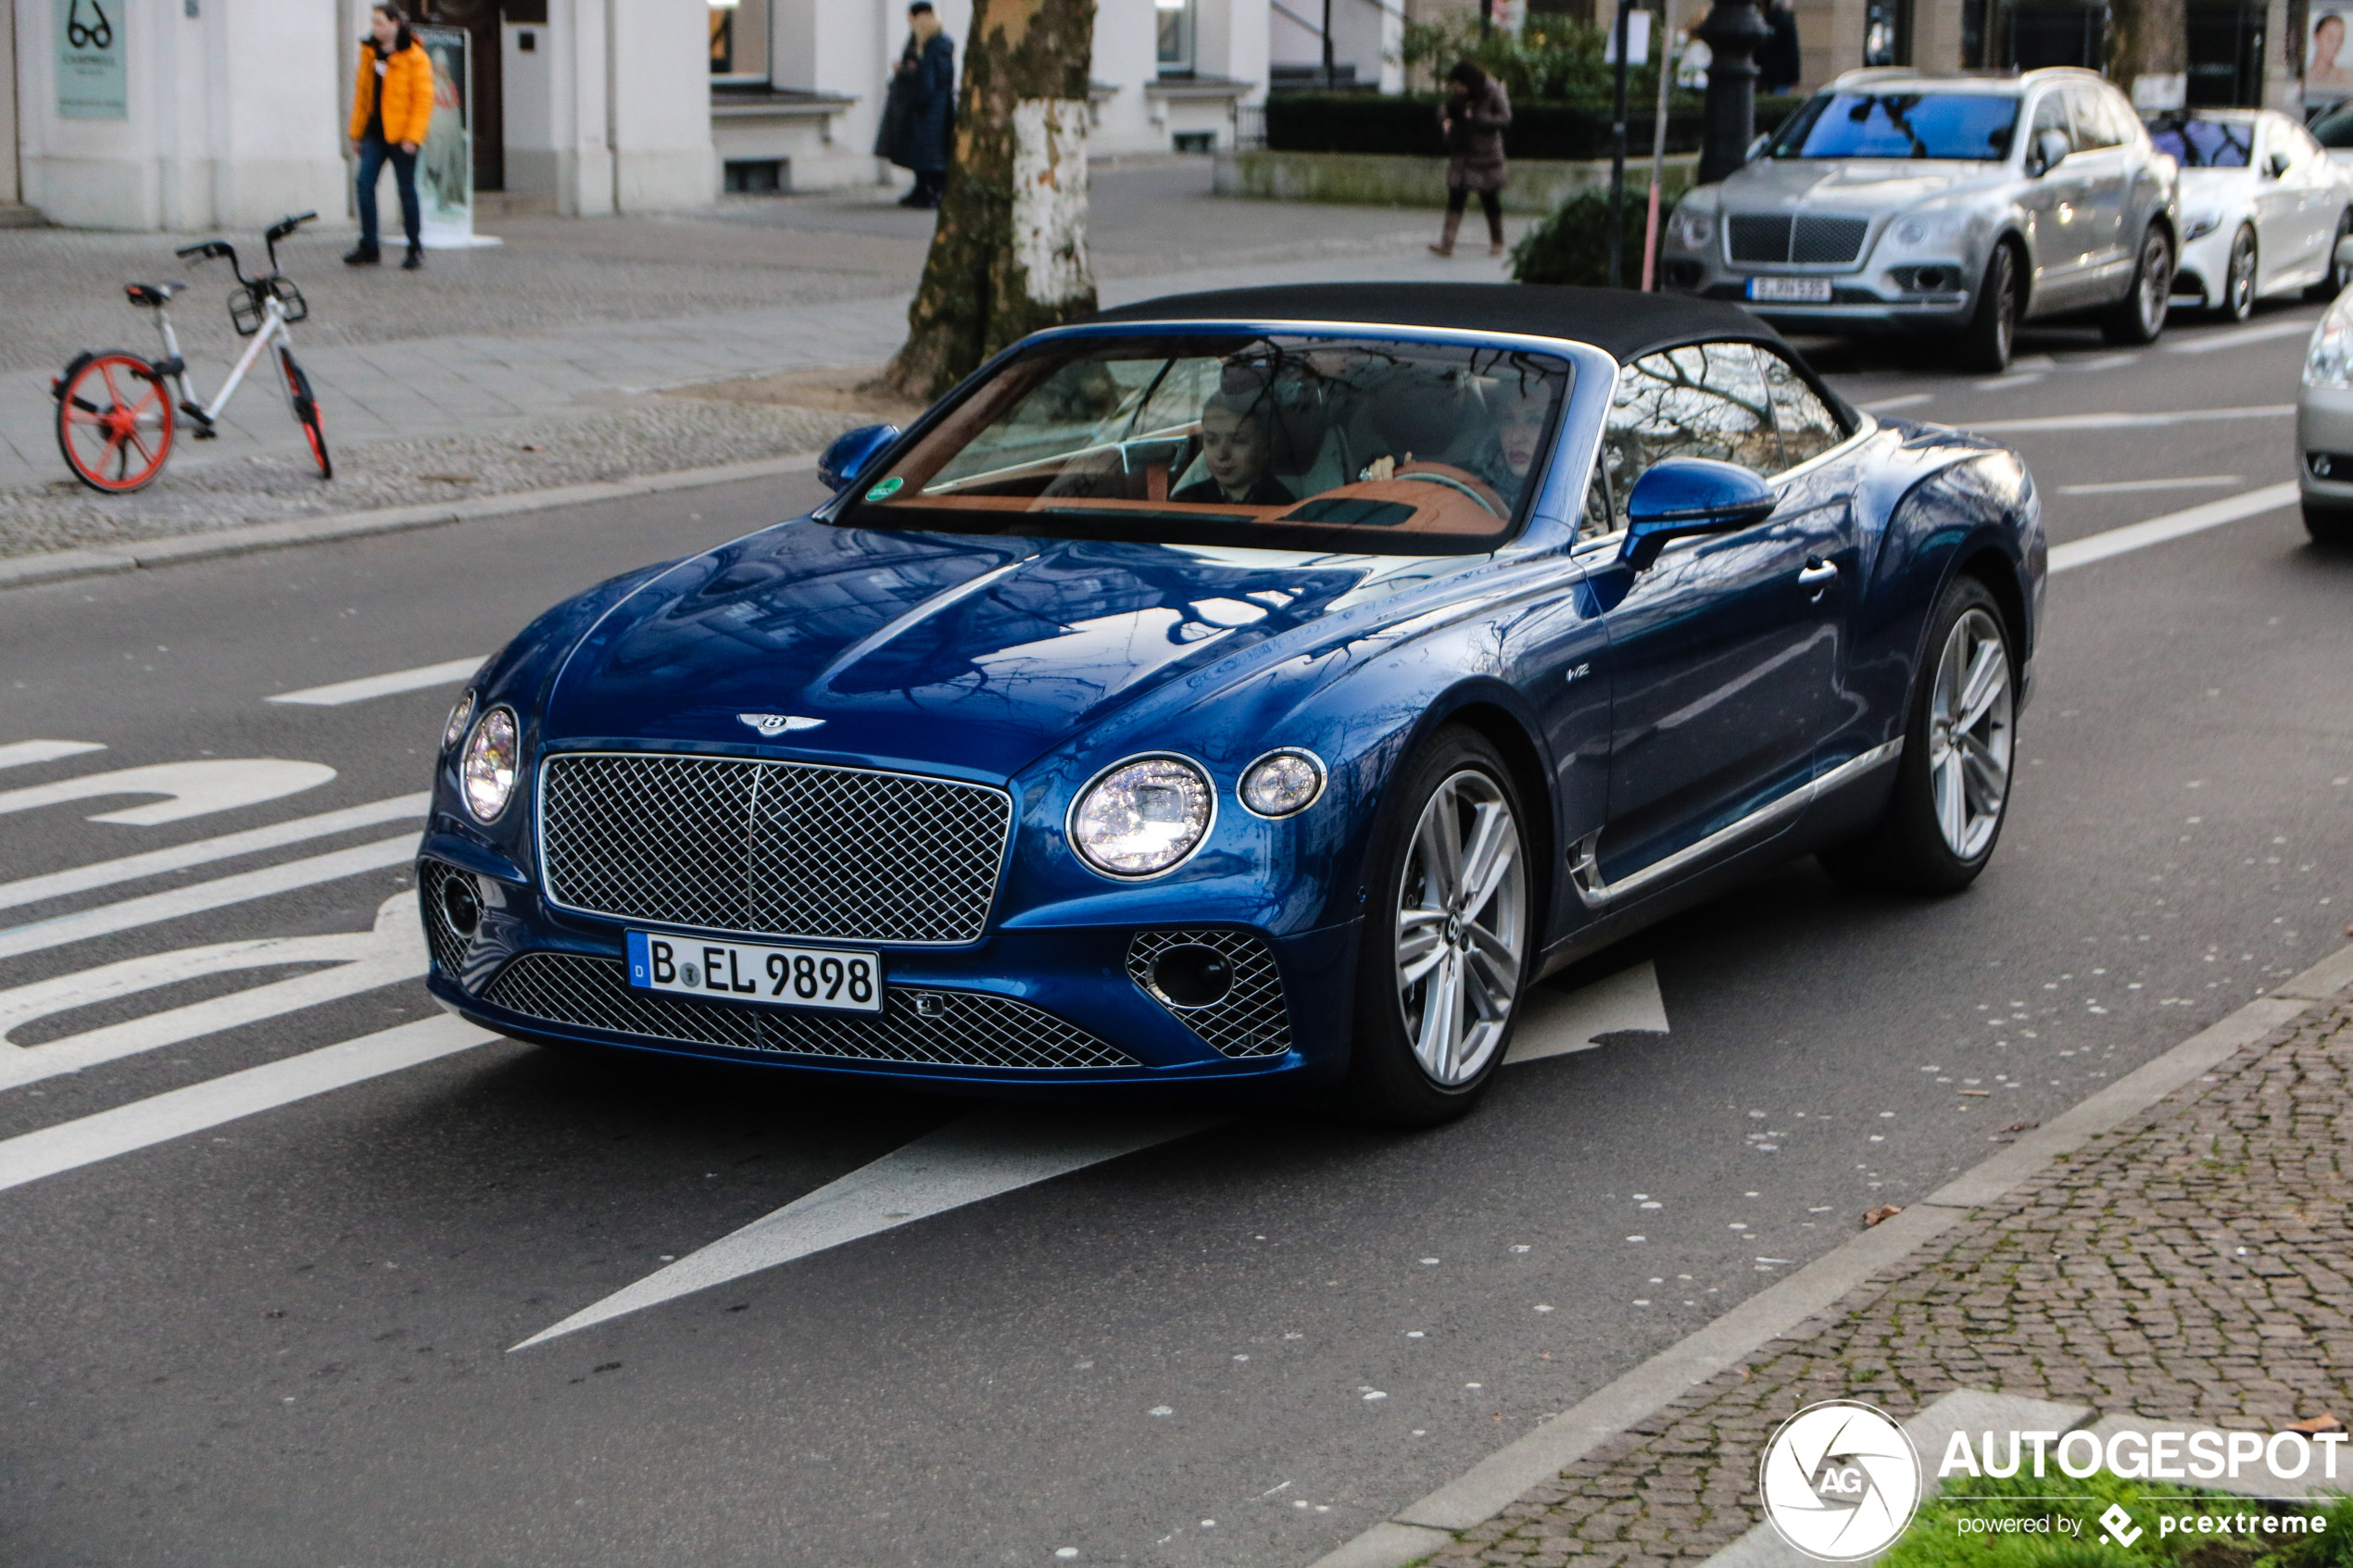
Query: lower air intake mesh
{"points": [[1250, 1020]]}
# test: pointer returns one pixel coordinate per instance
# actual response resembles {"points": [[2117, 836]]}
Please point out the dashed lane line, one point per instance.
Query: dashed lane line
{"points": [[202, 851], [2054, 423], [2128, 487], [23, 753], [345, 692], [217, 894], [160, 1118], [2207, 342], [2173, 525]]}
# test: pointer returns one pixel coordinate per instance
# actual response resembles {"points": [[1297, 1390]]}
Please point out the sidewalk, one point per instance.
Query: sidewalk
{"points": [[2195, 1266], [540, 363]]}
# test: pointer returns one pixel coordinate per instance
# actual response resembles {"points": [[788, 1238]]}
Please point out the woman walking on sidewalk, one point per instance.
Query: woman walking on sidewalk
{"points": [[919, 115], [391, 112], [1471, 121]]}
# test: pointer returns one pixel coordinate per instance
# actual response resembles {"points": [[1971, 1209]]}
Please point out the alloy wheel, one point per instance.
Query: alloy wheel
{"points": [[1970, 712], [1462, 927], [2156, 284], [2239, 288]]}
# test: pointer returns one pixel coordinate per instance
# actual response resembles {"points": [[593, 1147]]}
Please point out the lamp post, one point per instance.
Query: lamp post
{"points": [[1732, 33]]}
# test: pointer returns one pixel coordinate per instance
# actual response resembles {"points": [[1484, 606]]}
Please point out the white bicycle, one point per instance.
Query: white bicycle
{"points": [[116, 412]]}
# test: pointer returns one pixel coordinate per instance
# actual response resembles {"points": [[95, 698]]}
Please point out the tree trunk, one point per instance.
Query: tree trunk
{"points": [[1008, 255], [2148, 51]]}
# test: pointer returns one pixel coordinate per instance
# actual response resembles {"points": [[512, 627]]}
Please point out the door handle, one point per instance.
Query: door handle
{"points": [[1817, 577]]}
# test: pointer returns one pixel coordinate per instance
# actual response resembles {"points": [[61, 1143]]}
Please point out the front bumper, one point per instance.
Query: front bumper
{"points": [[1870, 298], [1030, 1010], [2324, 446]]}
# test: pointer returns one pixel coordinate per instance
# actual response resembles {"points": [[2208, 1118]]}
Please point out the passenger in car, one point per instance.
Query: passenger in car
{"points": [[1510, 452], [1237, 449]]}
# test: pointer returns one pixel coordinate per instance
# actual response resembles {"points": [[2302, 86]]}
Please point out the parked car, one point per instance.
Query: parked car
{"points": [[2264, 209], [1956, 207], [2324, 427], [1251, 691]]}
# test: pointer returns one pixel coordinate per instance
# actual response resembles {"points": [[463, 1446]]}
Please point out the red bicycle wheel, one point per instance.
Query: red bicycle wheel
{"points": [[305, 410], [115, 421]]}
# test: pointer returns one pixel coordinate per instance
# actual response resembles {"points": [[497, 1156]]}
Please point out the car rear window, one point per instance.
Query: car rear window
{"points": [[2204, 143], [1267, 441], [1969, 127]]}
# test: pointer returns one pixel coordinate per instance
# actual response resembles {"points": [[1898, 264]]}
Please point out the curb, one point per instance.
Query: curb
{"points": [[57, 566], [1425, 1527]]}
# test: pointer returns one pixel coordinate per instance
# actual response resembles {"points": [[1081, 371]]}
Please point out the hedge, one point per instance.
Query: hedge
{"points": [[1369, 122]]}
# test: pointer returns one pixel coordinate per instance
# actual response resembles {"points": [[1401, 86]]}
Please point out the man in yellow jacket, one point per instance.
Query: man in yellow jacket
{"points": [[391, 109]]}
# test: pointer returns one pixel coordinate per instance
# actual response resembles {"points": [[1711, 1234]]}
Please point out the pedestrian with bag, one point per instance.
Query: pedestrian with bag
{"points": [[1471, 121], [919, 114], [391, 113]]}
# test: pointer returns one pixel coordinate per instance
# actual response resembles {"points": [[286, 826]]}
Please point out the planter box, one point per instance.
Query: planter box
{"points": [[1535, 186]]}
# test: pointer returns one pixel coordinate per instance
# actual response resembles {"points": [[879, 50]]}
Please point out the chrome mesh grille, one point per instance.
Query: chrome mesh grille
{"points": [[1250, 1020], [1809, 240], [447, 946], [969, 1029], [772, 848]]}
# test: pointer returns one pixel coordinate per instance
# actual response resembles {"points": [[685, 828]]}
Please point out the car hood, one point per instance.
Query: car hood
{"points": [[1856, 187], [2217, 184], [965, 654]]}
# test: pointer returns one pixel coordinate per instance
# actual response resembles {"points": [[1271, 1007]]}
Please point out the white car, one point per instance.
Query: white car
{"points": [[2264, 208]]}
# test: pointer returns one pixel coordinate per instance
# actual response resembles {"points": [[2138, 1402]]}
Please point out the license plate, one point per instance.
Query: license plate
{"points": [[1789, 291], [842, 980]]}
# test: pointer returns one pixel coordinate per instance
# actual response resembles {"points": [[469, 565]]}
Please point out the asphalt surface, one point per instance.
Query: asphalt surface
{"points": [[283, 1339]]}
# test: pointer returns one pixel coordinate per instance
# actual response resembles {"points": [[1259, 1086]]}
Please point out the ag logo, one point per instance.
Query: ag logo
{"points": [[1840, 1481]]}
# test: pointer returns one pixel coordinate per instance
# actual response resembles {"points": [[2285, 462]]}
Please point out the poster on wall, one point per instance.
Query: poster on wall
{"points": [[2328, 62], [446, 162], [90, 72]]}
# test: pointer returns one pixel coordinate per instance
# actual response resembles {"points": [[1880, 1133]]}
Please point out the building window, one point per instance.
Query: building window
{"points": [[1887, 33], [739, 42], [1175, 36]]}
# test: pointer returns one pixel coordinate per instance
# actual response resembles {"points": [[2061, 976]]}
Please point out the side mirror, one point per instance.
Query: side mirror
{"points": [[1756, 148], [1678, 498], [850, 454], [2049, 150], [2275, 166]]}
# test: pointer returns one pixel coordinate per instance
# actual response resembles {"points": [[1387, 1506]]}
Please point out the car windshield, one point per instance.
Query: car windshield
{"points": [[1272, 441], [1969, 126], [2204, 143]]}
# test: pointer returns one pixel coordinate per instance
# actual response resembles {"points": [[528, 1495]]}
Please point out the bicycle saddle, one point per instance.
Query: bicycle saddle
{"points": [[151, 294]]}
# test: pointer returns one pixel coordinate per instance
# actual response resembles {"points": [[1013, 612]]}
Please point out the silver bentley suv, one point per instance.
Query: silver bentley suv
{"points": [[1952, 205]]}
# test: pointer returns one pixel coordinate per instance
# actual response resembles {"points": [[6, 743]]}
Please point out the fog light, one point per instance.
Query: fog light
{"points": [[461, 905], [1193, 976], [1929, 278]]}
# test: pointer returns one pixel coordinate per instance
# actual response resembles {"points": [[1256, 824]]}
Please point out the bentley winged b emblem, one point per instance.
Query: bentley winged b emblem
{"points": [[774, 724]]}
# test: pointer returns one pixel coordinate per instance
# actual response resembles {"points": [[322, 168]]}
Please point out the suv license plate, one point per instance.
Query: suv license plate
{"points": [[839, 979], [1789, 291]]}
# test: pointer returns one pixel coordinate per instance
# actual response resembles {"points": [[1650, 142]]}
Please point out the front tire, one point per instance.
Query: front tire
{"points": [[2327, 524], [1953, 783], [305, 413], [2139, 317], [1986, 341], [2239, 281], [1449, 944]]}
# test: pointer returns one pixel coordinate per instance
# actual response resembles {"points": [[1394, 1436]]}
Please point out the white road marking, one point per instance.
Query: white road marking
{"points": [[415, 680], [2121, 486], [1558, 1024], [1001, 1150], [161, 1118], [976, 1157], [2054, 422], [202, 896], [2234, 337], [23, 753], [1889, 405], [196, 789], [2004, 384], [393, 952], [130, 868], [2173, 525]]}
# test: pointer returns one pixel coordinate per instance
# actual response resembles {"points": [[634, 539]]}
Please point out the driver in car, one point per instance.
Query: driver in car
{"points": [[1238, 448], [1510, 452]]}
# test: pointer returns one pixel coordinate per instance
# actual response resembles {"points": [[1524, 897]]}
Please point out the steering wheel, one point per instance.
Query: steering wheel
{"points": [[1456, 479]]}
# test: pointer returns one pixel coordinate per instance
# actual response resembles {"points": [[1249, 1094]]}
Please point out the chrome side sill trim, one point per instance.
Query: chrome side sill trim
{"points": [[1585, 868]]}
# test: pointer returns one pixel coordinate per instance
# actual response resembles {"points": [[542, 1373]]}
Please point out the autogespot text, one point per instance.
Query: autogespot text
{"points": [[2188, 1455]]}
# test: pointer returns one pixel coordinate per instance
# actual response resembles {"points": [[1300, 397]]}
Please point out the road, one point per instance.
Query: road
{"points": [[252, 1317]]}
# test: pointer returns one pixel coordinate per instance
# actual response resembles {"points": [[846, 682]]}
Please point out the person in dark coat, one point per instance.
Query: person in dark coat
{"points": [[1778, 65], [1471, 122], [1239, 450], [919, 115]]}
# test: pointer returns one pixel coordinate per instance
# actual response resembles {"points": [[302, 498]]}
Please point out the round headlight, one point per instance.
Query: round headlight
{"points": [[494, 756], [1695, 226], [455, 731], [1281, 783], [1142, 817], [1911, 231]]}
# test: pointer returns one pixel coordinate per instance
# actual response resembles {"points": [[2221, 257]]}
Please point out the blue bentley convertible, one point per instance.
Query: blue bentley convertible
{"points": [[1256, 690]]}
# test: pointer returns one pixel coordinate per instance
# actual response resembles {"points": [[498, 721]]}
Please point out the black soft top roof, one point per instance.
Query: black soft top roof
{"points": [[1621, 322]]}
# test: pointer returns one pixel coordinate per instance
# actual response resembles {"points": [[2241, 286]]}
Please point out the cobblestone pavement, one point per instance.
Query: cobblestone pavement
{"points": [[2195, 1264], [486, 345]]}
